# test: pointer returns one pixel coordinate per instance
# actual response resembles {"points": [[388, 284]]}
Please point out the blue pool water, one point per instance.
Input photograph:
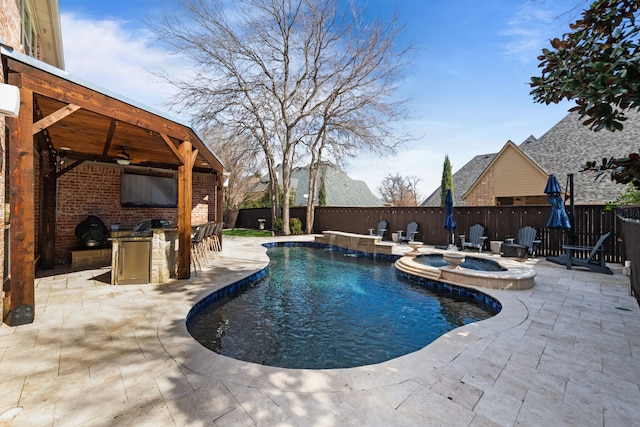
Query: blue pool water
{"points": [[317, 308], [479, 264]]}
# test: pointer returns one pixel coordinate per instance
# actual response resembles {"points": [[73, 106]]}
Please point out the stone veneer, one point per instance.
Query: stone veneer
{"points": [[356, 242], [164, 255], [90, 258]]}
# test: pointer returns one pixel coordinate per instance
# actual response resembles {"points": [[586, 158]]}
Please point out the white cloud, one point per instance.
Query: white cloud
{"points": [[536, 22], [104, 53]]}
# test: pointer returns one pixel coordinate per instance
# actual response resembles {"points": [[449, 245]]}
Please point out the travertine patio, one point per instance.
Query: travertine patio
{"points": [[566, 352]]}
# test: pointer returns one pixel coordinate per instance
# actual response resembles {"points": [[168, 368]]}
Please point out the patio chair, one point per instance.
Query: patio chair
{"points": [[527, 237], [412, 230], [594, 261], [382, 227], [476, 238], [197, 252]]}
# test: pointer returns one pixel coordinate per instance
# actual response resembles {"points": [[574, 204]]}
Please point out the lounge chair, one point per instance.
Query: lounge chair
{"points": [[527, 237], [412, 230], [382, 227], [594, 261], [476, 238]]}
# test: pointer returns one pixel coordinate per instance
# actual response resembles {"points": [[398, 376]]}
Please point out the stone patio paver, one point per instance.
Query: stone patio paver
{"points": [[564, 353]]}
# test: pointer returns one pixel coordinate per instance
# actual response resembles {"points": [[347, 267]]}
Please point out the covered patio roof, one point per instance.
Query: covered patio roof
{"points": [[93, 123], [63, 115]]}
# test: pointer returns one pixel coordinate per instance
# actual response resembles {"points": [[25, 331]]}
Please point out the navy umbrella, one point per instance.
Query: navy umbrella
{"points": [[558, 219], [449, 223]]}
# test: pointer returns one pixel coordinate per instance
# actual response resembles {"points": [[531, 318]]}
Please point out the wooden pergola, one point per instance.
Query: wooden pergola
{"points": [[59, 114]]}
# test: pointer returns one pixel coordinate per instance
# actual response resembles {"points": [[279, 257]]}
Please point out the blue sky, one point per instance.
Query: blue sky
{"points": [[467, 85]]}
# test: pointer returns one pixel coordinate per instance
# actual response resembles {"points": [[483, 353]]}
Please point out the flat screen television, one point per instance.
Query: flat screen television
{"points": [[148, 191]]}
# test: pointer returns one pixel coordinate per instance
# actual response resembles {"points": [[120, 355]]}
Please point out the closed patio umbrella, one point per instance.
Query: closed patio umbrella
{"points": [[558, 219], [449, 223]]}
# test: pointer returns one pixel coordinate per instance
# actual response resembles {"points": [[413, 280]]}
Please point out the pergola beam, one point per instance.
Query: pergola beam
{"points": [[54, 117]]}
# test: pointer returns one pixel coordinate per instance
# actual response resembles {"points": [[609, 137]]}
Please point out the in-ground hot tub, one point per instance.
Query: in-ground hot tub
{"points": [[511, 275]]}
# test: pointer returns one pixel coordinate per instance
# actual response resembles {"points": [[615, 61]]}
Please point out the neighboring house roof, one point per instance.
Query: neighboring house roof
{"points": [[463, 179], [567, 146], [562, 150], [341, 190]]}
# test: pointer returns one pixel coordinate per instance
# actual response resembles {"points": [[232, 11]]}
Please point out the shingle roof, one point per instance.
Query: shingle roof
{"points": [[341, 189], [563, 149], [570, 144]]}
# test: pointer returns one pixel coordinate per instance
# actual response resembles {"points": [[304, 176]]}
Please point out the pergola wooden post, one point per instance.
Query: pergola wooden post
{"points": [[185, 200], [22, 200]]}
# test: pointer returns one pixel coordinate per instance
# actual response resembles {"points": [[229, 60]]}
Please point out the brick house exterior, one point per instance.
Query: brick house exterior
{"points": [[517, 174]]}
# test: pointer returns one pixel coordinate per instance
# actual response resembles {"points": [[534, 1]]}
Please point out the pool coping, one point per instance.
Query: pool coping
{"points": [[193, 357]]}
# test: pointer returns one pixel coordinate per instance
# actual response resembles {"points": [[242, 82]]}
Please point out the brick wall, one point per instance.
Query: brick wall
{"points": [[94, 189], [204, 199], [482, 193], [10, 22]]}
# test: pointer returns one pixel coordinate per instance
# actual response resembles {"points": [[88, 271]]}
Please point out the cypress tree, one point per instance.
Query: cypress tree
{"points": [[322, 194], [447, 180]]}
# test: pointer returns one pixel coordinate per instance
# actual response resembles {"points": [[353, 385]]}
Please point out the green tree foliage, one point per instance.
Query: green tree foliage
{"points": [[264, 201], [447, 180], [597, 64], [322, 194], [295, 225], [630, 197]]}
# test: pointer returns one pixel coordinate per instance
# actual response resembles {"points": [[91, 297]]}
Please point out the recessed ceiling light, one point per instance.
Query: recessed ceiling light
{"points": [[65, 148]]}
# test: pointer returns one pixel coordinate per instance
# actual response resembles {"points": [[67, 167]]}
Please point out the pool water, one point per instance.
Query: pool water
{"points": [[479, 264], [317, 308]]}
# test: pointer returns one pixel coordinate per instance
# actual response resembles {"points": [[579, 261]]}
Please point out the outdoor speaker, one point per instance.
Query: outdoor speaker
{"points": [[9, 100]]}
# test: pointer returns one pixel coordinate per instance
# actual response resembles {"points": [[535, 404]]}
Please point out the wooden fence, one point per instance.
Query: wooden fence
{"points": [[630, 226], [500, 222]]}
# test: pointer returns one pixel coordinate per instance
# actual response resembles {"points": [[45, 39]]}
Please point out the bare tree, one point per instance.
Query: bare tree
{"points": [[241, 163], [399, 190], [298, 77]]}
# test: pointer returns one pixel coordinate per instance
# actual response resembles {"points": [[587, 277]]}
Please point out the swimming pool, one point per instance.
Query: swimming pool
{"points": [[479, 264], [316, 308]]}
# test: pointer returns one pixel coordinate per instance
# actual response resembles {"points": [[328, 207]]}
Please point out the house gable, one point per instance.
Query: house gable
{"points": [[512, 177]]}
